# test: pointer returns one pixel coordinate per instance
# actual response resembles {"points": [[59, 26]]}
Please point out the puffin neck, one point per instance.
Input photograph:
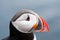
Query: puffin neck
{"points": [[15, 33]]}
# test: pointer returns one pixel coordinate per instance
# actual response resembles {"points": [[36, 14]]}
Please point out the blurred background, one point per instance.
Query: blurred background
{"points": [[48, 9]]}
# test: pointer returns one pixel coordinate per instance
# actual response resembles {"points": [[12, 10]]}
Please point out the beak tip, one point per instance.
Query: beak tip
{"points": [[45, 25]]}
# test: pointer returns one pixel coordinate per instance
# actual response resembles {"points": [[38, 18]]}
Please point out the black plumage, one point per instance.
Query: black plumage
{"points": [[17, 35]]}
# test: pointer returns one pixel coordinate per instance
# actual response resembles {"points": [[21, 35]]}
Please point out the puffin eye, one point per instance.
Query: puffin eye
{"points": [[28, 18]]}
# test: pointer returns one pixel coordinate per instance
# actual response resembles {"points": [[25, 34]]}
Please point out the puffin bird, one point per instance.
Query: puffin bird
{"points": [[23, 25]]}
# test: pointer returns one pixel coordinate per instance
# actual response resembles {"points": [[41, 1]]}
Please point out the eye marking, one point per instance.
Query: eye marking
{"points": [[28, 18]]}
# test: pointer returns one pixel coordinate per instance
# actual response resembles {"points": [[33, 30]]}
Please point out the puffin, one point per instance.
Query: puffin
{"points": [[24, 24]]}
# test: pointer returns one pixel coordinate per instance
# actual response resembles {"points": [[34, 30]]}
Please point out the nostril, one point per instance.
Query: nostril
{"points": [[28, 18]]}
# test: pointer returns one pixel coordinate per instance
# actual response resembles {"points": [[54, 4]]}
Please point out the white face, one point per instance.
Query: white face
{"points": [[25, 22]]}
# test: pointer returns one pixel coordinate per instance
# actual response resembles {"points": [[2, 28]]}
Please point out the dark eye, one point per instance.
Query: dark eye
{"points": [[28, 18]]}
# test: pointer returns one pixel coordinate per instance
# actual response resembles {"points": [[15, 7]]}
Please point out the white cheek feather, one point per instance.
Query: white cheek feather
{"points": [[22, 17], [23, 25]]}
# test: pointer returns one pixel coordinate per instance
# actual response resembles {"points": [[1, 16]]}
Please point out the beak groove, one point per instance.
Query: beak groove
{"points": [[44, 25]]}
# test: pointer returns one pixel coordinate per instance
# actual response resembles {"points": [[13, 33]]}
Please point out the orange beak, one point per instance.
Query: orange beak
{"points": [[43, 26]]}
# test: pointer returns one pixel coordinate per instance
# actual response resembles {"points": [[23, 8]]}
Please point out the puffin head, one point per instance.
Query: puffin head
{"points": [[27, 21]]}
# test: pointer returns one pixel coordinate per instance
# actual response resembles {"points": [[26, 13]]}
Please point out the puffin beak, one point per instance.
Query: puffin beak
{"points": [[43, 26]]}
